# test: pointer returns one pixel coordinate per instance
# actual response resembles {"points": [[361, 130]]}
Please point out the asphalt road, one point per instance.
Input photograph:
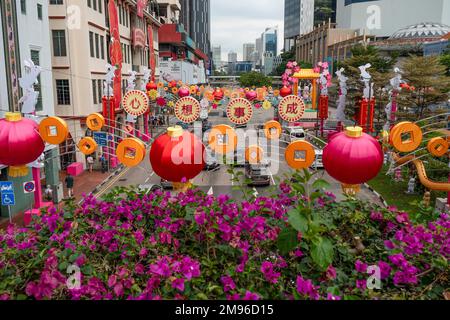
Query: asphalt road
{"points": [[221, 181]]}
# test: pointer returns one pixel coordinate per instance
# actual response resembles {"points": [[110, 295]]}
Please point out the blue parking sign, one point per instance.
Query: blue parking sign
{"points": [[8, 199], [101, 138]]}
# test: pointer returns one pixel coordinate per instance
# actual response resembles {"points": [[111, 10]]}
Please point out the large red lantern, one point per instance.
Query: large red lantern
{"points": [[285, 91], [352, 158], [218, 95], [20, 143], [177, 156], [151, 86]]}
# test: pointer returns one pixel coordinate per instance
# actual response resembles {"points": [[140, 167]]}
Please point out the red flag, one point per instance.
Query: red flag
{"points": [[152, 61], [115, 51]]}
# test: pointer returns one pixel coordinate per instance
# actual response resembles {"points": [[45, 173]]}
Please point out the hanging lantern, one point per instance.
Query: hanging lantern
{"points": [[352, 158], [218, 95], [183, 92], [172, 84], [20, 143], [151, 86], [285, 91], [177, 156]]}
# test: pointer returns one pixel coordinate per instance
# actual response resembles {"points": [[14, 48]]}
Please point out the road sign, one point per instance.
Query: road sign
{"points": [[101, 138], [6, 187], [29, 187], [8, 199]]}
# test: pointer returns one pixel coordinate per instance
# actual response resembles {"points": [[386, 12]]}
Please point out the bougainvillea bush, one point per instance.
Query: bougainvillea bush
{"points": [[298, 244]]}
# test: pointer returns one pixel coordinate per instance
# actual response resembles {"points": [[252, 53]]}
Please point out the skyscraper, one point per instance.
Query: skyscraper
{"points": [[270, 41], [232, 57], [196, 18], [249, 48], [298, 20], [217, 56]]}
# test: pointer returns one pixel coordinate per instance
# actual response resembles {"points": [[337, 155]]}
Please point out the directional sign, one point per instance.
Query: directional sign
{"points": [[6, 187], [101, 138], [8, 199], [29, 187]]}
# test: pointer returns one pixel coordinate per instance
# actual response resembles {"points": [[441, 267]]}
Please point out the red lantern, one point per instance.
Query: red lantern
{"points": [[151, 86], [183, 92], [20, 143], [177, 155], [285, 91], [218, 94], [251, 95], [352, 158], [172, 84]]}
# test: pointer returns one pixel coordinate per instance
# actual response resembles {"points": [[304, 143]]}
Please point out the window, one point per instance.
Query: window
{"points": [[97, 47], [89, 3], [56, 1], [59, 43], [23, 6], [100, 6], [94, 91], [102, 46], [91, 43], [39, 11], [63, 92], [94, 2], [34, 54]]}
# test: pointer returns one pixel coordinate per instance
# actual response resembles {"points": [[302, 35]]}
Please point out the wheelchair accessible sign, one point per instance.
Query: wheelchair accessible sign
{"points": [[7, 193]]}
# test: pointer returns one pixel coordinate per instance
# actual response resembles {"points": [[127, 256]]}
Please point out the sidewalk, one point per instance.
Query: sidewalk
{"points": [[84, 184]]}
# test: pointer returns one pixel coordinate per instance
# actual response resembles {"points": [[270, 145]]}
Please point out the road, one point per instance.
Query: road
{"points": [[221, 181]]}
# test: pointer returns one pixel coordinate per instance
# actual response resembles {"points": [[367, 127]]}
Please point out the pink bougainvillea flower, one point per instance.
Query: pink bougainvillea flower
{"points": [[360, 267], [331, 273], [178, 284], [228, 283]]}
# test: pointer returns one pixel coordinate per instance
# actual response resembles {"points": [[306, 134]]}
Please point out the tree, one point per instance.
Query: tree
{"points": [[445, 60], [254, 79], [428, 76]]}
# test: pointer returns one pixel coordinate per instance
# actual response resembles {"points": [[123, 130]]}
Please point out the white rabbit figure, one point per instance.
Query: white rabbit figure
{"points": [[109, 78], [366, 78], [27, 83], [146, 78], [132, 81], [38, 163], [323, 84], [342, 99]]}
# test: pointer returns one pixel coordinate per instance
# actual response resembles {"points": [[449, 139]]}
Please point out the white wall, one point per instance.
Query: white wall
{"points": [[34, 34], [393, 14]]}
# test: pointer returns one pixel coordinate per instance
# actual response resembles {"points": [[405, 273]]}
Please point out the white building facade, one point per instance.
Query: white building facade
{"points": [[384, 17]]}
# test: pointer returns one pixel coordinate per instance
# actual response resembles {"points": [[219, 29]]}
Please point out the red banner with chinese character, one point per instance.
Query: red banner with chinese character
{"points": [[323, 107], [115, 51], [152, 61]]}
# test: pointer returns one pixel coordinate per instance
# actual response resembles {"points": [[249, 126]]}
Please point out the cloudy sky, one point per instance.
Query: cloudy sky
{"points": [[235, 22]]}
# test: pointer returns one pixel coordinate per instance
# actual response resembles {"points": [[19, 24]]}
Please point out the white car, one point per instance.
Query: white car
{"points": [[295, 134], [318, 163]]}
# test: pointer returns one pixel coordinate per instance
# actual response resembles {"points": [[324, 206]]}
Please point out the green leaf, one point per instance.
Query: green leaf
{"points": [[322, 253], [298, 221], [63, 266], [21, 297], [287, 240], [320, 184], [190, 214]]}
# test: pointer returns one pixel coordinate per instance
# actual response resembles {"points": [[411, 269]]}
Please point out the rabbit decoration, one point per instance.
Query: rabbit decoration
{"points": [[366, 78], [391, 107], [132, 81], [109, 78], [27, 83], [342, 99]]}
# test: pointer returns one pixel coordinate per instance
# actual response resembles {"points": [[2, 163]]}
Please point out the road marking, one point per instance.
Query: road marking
{"points": [[148, 179], [211, 192], [256, 193], [112, 182]]}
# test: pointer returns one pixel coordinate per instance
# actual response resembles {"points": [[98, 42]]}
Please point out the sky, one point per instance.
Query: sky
{"points": [[235, 22]]}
